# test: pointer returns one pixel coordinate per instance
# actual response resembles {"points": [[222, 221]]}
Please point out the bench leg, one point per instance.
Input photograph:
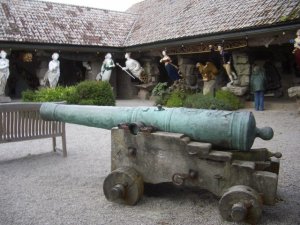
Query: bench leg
{"points": [[64, 143], [54, 143]]}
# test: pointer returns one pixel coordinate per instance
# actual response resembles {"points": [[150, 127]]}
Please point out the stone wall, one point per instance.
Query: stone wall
{"points": [[41, 71], [187, 67], [125, 87], [243, 70], [96, 66], [242, 67]]}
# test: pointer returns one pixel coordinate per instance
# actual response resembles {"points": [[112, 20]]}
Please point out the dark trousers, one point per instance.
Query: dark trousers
{"points": [[259, 100]]}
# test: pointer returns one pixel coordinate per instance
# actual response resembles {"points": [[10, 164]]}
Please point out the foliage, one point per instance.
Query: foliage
{"points": [[181, 85], [85, 93], [200, 101], [161, 100], [45, 95], [231, 101], [70, 95], [28, 96], [176, 99], [94, 93], [159, 89], [224, 100], [176, 96]]}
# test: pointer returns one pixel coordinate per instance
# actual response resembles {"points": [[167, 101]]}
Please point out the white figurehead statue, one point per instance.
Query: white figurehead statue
{"points": [[133, 66], [106, 68], [53, 72], [4, 71]]}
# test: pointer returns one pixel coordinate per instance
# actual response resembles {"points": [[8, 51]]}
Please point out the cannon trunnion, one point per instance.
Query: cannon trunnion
{"points": [[244, 181]]}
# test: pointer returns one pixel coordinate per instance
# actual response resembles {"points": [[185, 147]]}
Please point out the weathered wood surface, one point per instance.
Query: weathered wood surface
{"points": [[173, 157], [22, 121]]}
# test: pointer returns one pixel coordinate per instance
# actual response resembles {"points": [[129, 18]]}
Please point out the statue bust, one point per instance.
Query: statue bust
{"points": [[4, 71], [53, 72]]}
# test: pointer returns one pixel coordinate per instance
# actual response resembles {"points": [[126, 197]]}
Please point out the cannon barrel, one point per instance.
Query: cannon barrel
{"points": [[223, 129]]}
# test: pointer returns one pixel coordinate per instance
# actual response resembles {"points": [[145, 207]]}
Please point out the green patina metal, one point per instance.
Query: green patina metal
{"points": [[223, 129]]}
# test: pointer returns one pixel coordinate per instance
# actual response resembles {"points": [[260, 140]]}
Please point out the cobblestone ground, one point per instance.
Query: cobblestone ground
{"points": [[39, 187]]}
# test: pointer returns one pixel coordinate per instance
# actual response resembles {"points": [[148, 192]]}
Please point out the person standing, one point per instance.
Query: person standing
{"points": [[257, 84]]}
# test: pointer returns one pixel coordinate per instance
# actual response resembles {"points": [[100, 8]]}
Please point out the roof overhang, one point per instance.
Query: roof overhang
{"points": [[217, 37], [26, 46]]}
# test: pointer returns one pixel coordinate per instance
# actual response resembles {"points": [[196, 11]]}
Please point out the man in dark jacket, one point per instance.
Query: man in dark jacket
{"points": [[257, 83]]}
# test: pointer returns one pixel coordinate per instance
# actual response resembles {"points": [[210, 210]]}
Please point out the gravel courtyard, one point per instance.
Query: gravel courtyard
{"points": [[39, 187]]}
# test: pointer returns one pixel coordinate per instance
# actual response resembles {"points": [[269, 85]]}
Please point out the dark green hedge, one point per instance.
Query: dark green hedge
{"points": [[85, 93], [224, 100]]}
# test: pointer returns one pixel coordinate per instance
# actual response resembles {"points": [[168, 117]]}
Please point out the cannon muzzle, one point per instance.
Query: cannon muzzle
{"points": [[223, 129]]}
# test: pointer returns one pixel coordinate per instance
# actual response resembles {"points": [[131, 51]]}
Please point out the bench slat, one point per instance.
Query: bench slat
{"points": [[22, 121], [19, 124], [1, 127]]}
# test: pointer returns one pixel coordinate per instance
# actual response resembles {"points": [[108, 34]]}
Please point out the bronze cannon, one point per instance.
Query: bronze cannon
{"points": [[208, 149]]}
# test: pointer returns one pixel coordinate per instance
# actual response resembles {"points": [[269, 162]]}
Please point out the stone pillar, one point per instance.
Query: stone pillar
{"points": [[125, 87], [151, 72], [146, 64], [41, 72], [96, 66], [242, 67], [186, 68], [154, 72]]}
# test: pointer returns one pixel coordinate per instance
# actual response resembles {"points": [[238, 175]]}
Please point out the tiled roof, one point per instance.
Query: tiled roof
{"points": [[171, 19], [146, 22], [45, 22]]}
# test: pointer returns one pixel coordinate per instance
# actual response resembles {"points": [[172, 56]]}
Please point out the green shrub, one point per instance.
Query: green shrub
{"points": [[176, 99], [229, 99], [44, 95], [94, 93], [50, 94], [85, 93], [159, 89], [70, 95], [224, 101], [199, 101], [161, 100], [28, 96]]}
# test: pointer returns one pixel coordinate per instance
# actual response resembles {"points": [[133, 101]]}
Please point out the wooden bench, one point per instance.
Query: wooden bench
{"points": [[22, 121]]}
